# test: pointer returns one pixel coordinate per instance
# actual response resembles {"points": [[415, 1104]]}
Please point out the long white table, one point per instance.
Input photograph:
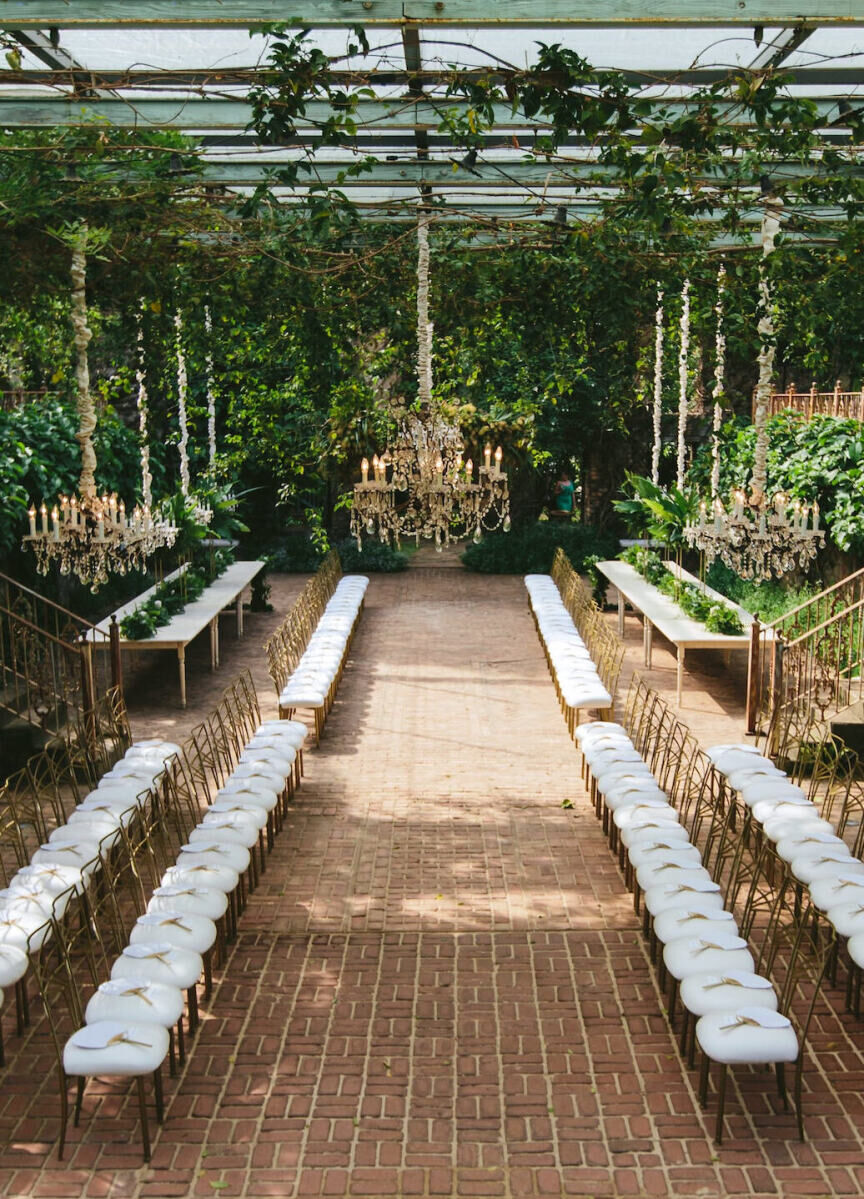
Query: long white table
{"points": [[186, 625], [661, 612]]}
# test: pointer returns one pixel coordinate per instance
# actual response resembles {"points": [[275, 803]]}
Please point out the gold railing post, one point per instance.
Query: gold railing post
{"points": [[116, 661], [88, 689], [754, 676]]}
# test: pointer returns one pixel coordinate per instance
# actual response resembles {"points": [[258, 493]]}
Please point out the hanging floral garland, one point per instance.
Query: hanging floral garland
{"points": [[765, 328], [658, 389], [424, 327], [211, 399], [182, 391], [146, 476], [683, 356], [719, 378]]}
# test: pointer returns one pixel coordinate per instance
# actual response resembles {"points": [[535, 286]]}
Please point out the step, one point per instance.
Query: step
{"points": [[848, 724]]}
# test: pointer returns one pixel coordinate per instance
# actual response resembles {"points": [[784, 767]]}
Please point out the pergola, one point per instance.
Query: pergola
{"points": [[410, 68]]}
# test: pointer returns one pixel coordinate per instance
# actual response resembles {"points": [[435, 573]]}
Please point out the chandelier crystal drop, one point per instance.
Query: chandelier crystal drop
{"points": [[422, 485], [89, 535]]}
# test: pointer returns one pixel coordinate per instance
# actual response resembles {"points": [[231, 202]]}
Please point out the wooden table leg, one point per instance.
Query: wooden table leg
{"points": [[181, 661], [240, 614], [214, 642], [620, 615], [680, 673], [647, 640]]}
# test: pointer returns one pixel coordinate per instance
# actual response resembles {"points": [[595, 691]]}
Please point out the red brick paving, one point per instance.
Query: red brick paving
{"points": [[439, 988]]}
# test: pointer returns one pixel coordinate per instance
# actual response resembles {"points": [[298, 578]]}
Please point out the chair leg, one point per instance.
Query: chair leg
{"points": [[181, 1042], [799, 1111], [79, 1098], [142, 1109], [704, 1073], [721, 1103], [780, 1071], [192, 1002], [64, 1113], [157, 1091]]}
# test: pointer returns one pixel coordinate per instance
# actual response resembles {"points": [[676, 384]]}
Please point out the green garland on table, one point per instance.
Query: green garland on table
{"points": [[170, 598], [717, 617]]}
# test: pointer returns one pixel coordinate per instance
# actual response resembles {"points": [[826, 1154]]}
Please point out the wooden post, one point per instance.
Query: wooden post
{"points": [[754, 677], [811, 404], [776, 688], [116, 661], [88, 692]]}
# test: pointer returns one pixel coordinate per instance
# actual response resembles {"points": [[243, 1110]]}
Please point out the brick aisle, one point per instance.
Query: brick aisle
{"points": [[440, 987]]}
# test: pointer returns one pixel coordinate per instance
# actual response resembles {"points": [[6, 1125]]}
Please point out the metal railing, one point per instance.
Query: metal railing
{"points": [[807, 404], [49, 672], [809, 658]]}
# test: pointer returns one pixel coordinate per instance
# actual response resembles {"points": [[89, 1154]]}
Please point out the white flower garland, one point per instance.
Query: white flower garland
{"points": [[146, 476], [182, 389], [211, 399], [770, 229], [424, 328], [683, 355], [658, 389], [719, 380]]}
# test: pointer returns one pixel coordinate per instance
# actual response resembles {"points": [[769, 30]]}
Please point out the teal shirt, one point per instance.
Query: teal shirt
{"points": [[564, 497]]}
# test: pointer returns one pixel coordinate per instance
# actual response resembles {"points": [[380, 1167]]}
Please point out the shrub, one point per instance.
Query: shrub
{"points": [[298, 553], [765, 600], [530, 550], [294, 553], [374, 557]]}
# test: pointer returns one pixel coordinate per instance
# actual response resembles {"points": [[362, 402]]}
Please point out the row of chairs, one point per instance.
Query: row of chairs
{"points": [[122, 935], [584, 655], [710, 880], [306, 655]]}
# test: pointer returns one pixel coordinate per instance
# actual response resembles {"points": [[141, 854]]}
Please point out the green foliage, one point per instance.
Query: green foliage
{"points": [[821, 459], [766, 600], [170, 598], [40, 459], [717, 617], [294, 553], [530, 550], [375, 557], [658, 512]]}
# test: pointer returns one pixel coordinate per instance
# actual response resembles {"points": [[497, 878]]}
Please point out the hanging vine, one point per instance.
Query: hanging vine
{"points": [[658, 389], [81, 336], [719, 381], [146, 476], [424, 327], [683, 357], [767, 347], [211, 398], [182, 391]]}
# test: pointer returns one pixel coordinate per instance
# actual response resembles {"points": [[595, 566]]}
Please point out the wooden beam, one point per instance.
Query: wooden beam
{"points": [[182, 113], [241, 14], [484, 175], [197, 78]]}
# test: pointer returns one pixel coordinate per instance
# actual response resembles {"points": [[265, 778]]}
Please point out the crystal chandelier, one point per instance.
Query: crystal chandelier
{"points": [[759, 536], [91, 535], [422, 486]]}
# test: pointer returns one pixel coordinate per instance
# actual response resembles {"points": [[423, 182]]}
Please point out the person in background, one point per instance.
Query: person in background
{"points": [[564, 493]]}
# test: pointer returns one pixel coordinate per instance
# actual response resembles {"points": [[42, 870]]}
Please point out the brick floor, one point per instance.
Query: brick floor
{"points": [[439, 988]]}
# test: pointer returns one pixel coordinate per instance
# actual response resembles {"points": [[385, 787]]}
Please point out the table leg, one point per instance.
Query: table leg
{"points": [[181, 661], [214, 643], [240, 614], [620, 615], [680, 673], [647, 640]]}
